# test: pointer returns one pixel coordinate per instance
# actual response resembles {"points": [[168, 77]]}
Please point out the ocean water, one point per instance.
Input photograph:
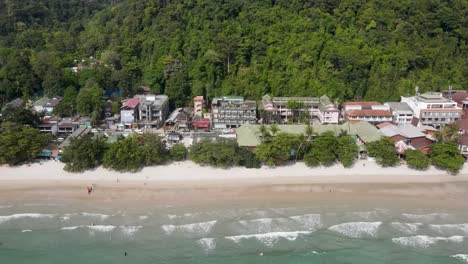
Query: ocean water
{"points": [[57, 233]]}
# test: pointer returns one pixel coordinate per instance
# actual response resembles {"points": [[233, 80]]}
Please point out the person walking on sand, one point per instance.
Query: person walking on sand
{"points": [[90, 189]]}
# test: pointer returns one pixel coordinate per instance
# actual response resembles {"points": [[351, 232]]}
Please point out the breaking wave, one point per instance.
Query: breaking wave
{"points": [[207, 243], [201, 228], [7, 218], [427, 218], [357, 229], [406, 228], [463, 257], [308, 221], [451, 229], [269, 239], [425, 241]]}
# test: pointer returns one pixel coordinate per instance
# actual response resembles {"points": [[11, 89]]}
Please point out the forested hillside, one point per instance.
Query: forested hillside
{"points": [[347, 49]]}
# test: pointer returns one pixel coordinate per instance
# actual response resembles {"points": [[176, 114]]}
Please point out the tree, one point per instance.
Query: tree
{"points": [[221, 153], [347, 150], [323, 149], [20, 143], [67, 106], [84, 153], [281, 149], [20, 115], [309, 132], [264, 133], [447, 133], [178, 152], [152, 149], [447, 156], [417, 160], [124, 155], [274, 129], [383, 150], [89, 102]]}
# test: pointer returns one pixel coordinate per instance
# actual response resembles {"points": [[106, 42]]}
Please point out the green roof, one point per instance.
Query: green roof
{"points": [[249, 135]]}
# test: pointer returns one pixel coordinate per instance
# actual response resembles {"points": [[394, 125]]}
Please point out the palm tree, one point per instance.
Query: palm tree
{"points": [[447, 134], [309, 132], [274, 129], [264, 133]]}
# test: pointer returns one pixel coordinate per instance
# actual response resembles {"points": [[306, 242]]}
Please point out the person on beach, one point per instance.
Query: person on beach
{"points": [[90, 189]]}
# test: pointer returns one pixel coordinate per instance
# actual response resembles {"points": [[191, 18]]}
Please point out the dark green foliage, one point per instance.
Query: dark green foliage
{"points": [[20, 143], [67, 106], [153, 150], [89, 102], [84, 153], [281, 149], [376, 49], [178, 152], [20, 115], [447, 156], [311, 159], [220, 153], [383, 151], [347, 150], [124, 155], [248, 159], [417, 160]]}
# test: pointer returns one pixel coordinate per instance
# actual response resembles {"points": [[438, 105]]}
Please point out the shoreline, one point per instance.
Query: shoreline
{"points": [[186, 183]]}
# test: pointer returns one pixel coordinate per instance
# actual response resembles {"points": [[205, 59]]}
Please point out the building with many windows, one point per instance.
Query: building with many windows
{"points": [[432, 109], [372, 112], [232, 112], [152, 110], [283, 110], [402, 113]]}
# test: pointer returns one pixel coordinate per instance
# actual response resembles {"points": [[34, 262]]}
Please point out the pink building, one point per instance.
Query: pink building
{"points": [[198, 104]]}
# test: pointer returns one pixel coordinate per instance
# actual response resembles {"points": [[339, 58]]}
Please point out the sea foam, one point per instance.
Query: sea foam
{"points": [[451, 229], [406, 228], [462, 257], [130, 230], [308, 221], [202, 228], [425, 241], [427, 218], [207, 243], [92, 228], [6, 218], [269, 239], [357, 229]]}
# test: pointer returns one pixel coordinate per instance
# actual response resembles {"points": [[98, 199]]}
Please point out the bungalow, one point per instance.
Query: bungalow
{"points": [[249, 135], [410, 135], [463, 144], [180, 118]]}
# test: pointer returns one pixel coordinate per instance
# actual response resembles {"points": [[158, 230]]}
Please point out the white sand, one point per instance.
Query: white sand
{"points": [[187, 171]]}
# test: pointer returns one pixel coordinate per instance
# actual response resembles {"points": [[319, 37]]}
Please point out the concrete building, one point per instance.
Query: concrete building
{"points": [[152, 110], [372, 112], [232, 112], [279, 109], [461, 98], [129, 112], [432, 109], [402, 113], [198, 105]]}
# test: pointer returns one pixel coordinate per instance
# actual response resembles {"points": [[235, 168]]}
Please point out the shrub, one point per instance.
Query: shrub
{"points": [[417, 160]]}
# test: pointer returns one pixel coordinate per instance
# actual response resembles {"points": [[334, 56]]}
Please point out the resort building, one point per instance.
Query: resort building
{"points": [[432, 109], [152, 110], [282, 110], [129, 112], [46, 105], [198, 105], [402, 113], [180, 119], [463, 144], [461, 98], [372, 112], [363, 132], [411, 136], [232, 112]]}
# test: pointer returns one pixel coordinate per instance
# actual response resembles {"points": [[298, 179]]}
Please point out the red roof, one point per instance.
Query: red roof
{"points": [[363, 104], [357, 113], [463, 124], [130, 103], [460, 96]]}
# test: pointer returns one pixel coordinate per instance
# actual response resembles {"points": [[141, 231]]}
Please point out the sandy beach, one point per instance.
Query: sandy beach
{"points": [[186, 183]]}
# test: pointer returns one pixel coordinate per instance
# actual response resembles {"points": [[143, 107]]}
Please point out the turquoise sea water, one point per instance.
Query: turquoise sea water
{"points": [[55, 233]]}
